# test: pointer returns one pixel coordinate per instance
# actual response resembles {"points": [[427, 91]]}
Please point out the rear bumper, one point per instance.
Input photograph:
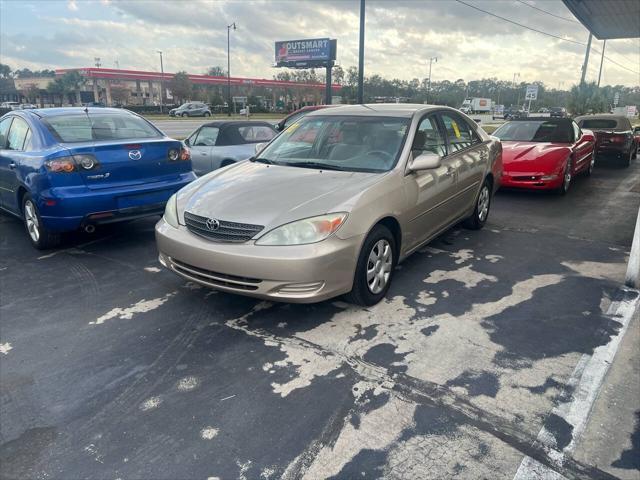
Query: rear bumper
{"points": [[298, 274], [79, 206]]}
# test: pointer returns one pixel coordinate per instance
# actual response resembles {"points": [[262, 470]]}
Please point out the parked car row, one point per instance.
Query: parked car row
{"points": [[326, 206]]}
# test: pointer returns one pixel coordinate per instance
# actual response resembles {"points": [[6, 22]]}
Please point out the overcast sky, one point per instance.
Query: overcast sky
{"points": [[400, 37]]}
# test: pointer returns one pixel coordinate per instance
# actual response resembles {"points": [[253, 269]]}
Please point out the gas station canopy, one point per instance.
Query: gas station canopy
{"points": [[607, 19]]}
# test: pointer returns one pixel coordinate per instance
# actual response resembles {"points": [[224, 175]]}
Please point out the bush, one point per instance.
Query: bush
{"points": [[147, 109]]}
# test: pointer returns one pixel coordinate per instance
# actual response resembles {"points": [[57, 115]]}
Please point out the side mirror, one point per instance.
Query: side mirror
{"points": [[259, 147], [278, 127], [425, 161], [636, 130]]}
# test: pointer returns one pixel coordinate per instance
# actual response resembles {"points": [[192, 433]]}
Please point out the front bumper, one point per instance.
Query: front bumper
{"points": [[533, 181], [297, 274]]}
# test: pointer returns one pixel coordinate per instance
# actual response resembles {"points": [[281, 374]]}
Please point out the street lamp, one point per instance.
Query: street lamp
{"points": [[431, 60], [161, 80], [514, 86], [233, 25]]}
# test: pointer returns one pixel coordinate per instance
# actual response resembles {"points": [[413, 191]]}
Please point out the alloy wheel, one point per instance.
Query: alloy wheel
{"points": [[483, 204], [379, 266], [31, 217], [567, 178]]}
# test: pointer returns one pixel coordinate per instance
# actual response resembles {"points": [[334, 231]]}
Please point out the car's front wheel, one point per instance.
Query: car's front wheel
{"points": [[374, 269], [41, 237], [567, 176], [184, 115], [481, 211]]}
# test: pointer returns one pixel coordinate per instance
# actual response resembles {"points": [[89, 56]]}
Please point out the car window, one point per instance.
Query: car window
{"points": [[27, 146], [428, 138], [576, 131], [535, 131], [459, 133], [294, 118], [103, 126], [206, 137], [599, 123], [256, 133], [4, 130], [17, 134]]}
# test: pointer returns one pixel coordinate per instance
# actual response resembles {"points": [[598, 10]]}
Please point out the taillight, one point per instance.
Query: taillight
{"points": [[61, 165], [618, 138], [72, 164], [175, 154], [185, 153]]}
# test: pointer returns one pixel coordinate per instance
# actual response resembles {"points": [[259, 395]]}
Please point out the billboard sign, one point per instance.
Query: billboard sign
{"points": [[314, 49], [532, 92]]}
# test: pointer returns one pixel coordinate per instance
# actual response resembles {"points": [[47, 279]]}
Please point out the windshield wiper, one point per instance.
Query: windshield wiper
{"points": [[262, 160], [321, 166]]}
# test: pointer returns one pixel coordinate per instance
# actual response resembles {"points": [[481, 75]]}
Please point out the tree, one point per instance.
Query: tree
{"points": [[180, 86], [31, 92], [57, 87], [5, 70], [217, 72], [586, 98], [338, 74], [73, 82], [120, 95]]}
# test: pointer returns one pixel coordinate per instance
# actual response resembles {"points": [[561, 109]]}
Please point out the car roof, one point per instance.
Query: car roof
{"points": [[238, 123], [406, 110], [542, 119], [50, 112], [603, 116]]}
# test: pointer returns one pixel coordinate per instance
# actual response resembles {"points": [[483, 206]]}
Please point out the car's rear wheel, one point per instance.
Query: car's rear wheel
{"points": [[626, 159], [592, 164], [481, 211], [207, 114], [374, 269], [41, 237], [567, 176]]}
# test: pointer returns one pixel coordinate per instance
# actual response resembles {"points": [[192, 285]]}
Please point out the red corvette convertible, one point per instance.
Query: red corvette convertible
{"points": [[545, 153]]}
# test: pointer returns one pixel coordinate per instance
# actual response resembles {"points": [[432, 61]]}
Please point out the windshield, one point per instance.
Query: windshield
{"points": [[102, 126], [535, 131], [352, 143]]}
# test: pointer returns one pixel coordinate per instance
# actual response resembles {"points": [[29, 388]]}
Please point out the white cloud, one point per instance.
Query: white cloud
{"points": [[72, 5]]}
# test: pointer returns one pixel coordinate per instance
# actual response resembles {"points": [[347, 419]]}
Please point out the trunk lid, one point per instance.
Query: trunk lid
{"points": [[132, 163]]}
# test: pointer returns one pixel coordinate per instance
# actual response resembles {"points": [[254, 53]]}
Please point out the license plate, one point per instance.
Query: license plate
{"points": [[141, 199]]}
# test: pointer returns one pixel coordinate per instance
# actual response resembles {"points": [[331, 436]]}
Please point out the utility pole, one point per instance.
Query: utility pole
{"points": [[586, 60], [361, 56], [233, 25], [431, 60], [604, 45], [518, 90], [97, 60], [161, 81]]}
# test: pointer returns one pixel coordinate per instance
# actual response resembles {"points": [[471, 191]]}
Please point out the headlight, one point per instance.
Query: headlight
{"points": [[171, 212], [309, 230]]}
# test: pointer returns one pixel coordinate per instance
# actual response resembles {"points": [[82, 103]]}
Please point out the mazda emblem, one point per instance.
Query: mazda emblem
{"points": [[212, 224], [135, 154]]}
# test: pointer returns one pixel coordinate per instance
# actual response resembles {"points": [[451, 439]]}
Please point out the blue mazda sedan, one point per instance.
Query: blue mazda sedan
{"points": [[62, 169]]}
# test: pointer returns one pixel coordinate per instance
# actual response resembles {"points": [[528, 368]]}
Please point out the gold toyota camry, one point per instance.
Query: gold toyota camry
{"points": [[332, 204]]}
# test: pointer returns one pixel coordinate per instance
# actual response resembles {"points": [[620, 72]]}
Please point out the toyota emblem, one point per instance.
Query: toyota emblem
{"points": [[212, 224], [135, 154]]}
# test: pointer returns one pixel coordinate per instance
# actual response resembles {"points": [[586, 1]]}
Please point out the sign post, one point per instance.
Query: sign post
{"points": [[309, 53], [531, 94]]}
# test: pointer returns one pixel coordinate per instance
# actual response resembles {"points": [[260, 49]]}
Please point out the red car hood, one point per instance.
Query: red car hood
{"points": [[533, 157]]}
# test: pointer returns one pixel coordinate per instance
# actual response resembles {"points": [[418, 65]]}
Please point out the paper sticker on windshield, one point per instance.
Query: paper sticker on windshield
{"points": [[293, 127], [456, 130]]}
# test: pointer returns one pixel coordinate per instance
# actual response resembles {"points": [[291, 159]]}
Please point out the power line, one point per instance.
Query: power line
{"points": [[575, 42], [548, 13], [520, 24]]}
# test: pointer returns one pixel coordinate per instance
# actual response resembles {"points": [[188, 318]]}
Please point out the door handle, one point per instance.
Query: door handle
{"points": [[12, 165], [450, 171]]}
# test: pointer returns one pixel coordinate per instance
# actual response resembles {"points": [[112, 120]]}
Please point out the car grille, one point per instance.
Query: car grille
{"points": [[226, 232], [214, 279]]}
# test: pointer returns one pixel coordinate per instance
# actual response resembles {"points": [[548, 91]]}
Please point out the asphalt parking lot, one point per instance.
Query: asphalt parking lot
{"points": [[181, 128], [483, 361]]}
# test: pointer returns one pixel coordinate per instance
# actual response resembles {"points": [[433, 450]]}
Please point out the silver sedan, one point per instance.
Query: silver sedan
{"points": [[218, 144]]}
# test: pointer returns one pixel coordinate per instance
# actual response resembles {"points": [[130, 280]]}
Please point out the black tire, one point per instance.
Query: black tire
{"points": [[183, 115], [482, 207], [592, 163], [566, 182], [626, 159], [41, 237], [361, 293], [207, 114]]}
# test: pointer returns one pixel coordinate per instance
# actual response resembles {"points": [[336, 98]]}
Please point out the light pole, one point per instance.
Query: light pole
{"points": [[514, 86], [161, 81], [361, 56], [233, 25], [431, 60]]}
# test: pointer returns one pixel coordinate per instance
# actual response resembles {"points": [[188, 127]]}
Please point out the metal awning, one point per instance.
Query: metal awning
{"points": [[607, 19]]}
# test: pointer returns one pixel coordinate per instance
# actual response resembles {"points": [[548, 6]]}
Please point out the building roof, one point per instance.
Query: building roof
{"points": [[116, 74], [606, 18]]}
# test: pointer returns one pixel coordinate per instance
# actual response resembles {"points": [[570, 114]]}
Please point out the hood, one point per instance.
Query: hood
{"points": [[272, 195], [530, 157]]}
